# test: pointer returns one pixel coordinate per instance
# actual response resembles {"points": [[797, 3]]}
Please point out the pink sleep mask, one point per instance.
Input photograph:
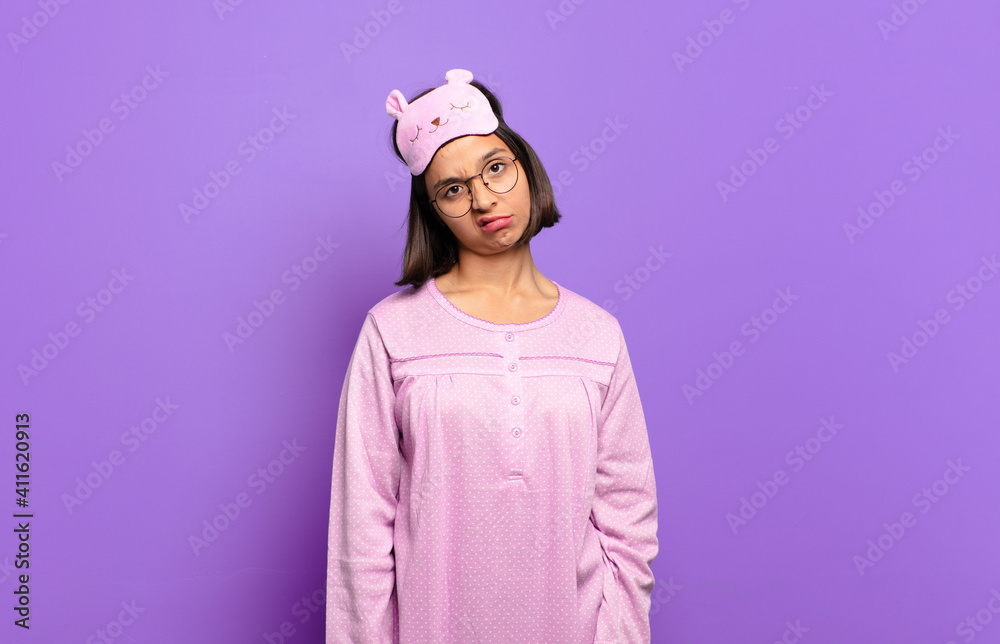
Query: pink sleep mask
{"points": [[445, 113]]}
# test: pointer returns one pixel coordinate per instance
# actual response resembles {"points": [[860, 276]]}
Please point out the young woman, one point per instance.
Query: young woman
{"points": [[492, 475]]}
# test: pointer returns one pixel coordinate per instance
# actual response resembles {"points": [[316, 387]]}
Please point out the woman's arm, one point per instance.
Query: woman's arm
{"points": [[624, 508], [361, 601]]}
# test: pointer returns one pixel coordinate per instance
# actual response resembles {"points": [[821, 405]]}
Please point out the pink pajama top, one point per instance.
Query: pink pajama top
{"points": [[491, 482]]}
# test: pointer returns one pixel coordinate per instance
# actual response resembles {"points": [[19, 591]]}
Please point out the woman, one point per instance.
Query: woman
{"points": [[492, 476]]}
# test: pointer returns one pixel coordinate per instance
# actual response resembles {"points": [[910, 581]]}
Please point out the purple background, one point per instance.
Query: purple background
{"points": [[684, 126]]}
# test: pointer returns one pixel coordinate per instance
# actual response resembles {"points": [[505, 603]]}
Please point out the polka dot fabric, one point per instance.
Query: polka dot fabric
{"points": [[491, 482]]}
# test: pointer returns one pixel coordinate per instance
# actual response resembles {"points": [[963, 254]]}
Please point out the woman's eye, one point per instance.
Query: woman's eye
{"points": [[452, 191], [497, 167]]}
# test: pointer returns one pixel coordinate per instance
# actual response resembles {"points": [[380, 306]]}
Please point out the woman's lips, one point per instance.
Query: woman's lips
{"points": [[496, 224]]}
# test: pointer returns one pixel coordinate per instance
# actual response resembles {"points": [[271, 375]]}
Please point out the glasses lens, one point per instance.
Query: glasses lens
{"points": [[500, 174], [454, 199]]}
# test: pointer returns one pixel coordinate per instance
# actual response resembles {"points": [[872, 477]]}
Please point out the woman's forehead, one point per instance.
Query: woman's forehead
{"points": [[469, 150]]}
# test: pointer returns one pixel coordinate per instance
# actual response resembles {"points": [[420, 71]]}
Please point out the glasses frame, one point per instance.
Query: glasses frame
{"points": [[517, 178]]}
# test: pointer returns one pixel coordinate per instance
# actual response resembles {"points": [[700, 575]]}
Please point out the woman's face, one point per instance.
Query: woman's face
{"points": [[463, 158]]}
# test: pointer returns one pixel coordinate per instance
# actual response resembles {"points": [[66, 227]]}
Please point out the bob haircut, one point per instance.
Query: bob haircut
{"points": [[431, 248]]}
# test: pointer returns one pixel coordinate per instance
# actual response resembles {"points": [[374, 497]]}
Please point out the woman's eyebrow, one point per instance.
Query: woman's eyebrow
{"points": [[483, 159], [490, 153]]}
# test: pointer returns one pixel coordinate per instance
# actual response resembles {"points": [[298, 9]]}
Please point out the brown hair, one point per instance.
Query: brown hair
{"points": [[431, 248]]}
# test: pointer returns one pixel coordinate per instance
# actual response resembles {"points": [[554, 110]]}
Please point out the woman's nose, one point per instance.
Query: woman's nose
{"points": [[481, 195]]}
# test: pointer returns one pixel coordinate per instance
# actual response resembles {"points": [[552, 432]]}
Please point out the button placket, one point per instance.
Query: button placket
{"points": [[515, 440]]}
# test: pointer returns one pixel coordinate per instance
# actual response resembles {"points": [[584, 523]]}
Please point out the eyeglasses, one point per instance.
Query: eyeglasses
{"points": [[455, 199]]}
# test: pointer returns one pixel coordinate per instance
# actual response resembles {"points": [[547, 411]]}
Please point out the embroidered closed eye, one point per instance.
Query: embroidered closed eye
{"points": [[417, 136]]}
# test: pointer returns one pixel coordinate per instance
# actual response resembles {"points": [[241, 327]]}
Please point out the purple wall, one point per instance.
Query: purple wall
{"points": [[790, 207]]}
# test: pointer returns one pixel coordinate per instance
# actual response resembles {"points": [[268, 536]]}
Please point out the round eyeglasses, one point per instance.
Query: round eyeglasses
{"points": [[454, 199]]}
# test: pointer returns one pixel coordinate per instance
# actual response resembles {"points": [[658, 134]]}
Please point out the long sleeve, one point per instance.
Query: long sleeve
{"points": [[360, 586], [624, 508]]}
